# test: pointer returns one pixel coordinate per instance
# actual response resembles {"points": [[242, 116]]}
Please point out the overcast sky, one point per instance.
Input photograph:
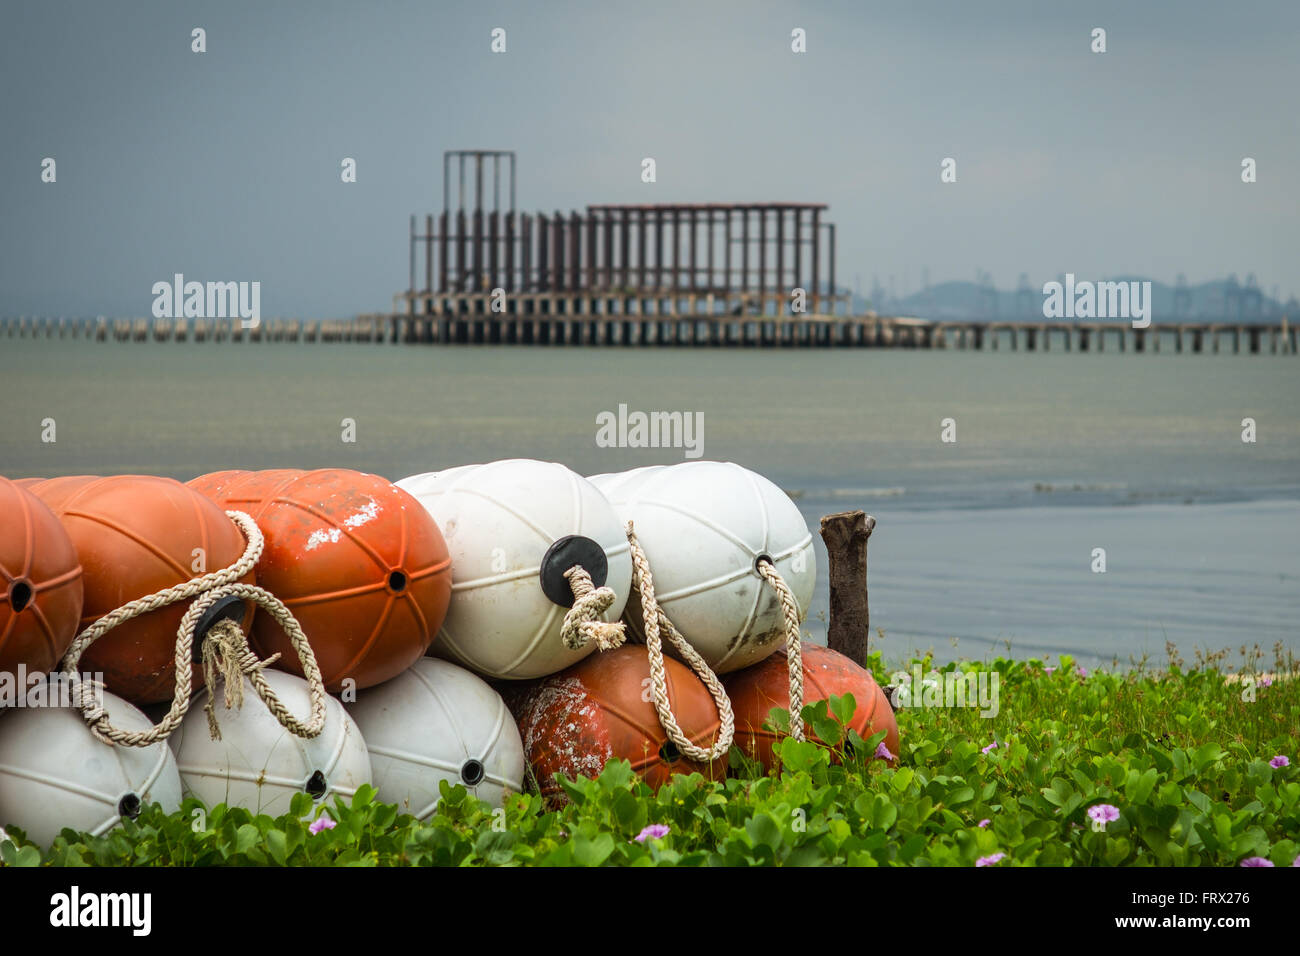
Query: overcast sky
{"points": [[225, 165]]}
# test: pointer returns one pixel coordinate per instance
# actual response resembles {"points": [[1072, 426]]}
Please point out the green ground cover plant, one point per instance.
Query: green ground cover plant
{"points": [[1178, 766]]}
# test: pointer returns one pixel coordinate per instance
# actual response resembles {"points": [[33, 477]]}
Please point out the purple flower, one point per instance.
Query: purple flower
{"points": [[990, 860], [1256, 861], [1266, 682], [1103, 813], [323, 822], [1279, 761], [655, 831], [1049, 670], [985, 822], [883, 752], [1083, 672], [992, 746], [1296, 861]]}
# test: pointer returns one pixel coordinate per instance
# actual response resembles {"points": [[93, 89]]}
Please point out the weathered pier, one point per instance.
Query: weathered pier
{"points": [[621, 323], [756, 274]]}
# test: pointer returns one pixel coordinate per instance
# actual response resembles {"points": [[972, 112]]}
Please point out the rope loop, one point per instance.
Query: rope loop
{"points": [[793, 646], [225, 652], [582, 623], [656, 622]]}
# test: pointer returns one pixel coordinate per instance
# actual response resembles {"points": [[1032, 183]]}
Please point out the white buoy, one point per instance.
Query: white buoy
{"points": [[258, 764], [703, 526], [436, 722], [513, 528], [618, 485], [55, 774]]}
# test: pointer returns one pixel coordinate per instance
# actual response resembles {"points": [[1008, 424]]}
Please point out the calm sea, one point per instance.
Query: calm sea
{"points": [[982, 544]]}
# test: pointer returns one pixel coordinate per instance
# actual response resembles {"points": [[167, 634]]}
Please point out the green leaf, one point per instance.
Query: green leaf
{"points": [[842, 707], [592, 851], [277, 845]]}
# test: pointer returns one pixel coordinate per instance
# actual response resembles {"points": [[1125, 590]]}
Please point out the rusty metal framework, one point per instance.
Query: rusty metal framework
{"points": [[740, 257]]}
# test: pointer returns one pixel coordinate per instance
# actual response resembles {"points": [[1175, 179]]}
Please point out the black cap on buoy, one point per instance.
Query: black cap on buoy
{"points": [[228, 608], [565, 553]]}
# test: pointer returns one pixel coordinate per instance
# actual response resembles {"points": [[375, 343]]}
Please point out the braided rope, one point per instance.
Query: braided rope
{"points": [[793, 646], [655, 622], [225, 651], [582, 622]]}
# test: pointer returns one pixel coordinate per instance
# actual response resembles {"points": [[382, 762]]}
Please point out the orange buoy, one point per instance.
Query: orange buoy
{"points": [[598, 710], [53, 491], [359, 562], [40, 583], [27, 482], [135, 535], [242, 490], [755, 690], [214, 482]]}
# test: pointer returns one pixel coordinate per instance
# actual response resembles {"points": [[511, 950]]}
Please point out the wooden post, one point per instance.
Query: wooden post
{"points": [[846, 537]]}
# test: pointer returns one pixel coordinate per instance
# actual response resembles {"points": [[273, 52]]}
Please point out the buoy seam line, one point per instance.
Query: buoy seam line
{"points": [[37, 777], [154, 772], [130, 535], [427, 634], [434, 764], [447, 639], [752, 481], [575, 495], [51, 584], [612, 550], [224, 646], [702, 519], [10, 626], [260, 779], [365, 547], [340, 744], [447, 711], [524, 519], [427, 571], [301, 744], [498, 728], [29, 539], [730, 576], [108, 824], [375, 633], [325, 597]]}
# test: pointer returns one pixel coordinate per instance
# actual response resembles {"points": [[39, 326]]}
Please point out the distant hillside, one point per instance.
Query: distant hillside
{"points": [[1220, 298]]}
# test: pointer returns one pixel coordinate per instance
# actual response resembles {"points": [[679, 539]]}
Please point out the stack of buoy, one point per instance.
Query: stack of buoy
{"points": [[519, 579]]}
